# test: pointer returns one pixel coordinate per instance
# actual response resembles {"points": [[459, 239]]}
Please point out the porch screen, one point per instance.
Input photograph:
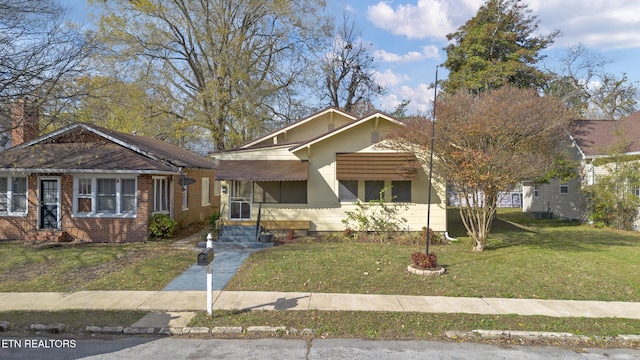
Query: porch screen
{"points": [[285, 192]]}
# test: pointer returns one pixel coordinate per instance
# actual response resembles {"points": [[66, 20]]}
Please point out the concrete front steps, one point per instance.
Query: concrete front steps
{"points": [[237, 234]]}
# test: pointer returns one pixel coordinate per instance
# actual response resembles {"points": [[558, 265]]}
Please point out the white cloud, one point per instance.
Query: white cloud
{"points": [[606, 25], [420, 98], [428, 18], [428, 52], [389, 79]]}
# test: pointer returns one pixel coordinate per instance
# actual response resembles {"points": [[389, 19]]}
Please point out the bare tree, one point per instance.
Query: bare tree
{"points": [[38, 47], [38, 50], [584, 84], [348, 70]]}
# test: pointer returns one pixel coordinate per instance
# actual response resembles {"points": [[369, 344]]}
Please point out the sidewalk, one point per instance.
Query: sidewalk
{"points": [[256, 300]]}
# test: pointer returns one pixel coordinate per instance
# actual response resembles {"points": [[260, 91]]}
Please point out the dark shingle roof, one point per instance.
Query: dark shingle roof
{"points": [[89, 147], [600, 137]]}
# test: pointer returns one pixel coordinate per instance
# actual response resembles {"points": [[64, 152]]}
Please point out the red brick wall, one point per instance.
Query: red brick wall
{"points": [[105, 229], [94, 229]]}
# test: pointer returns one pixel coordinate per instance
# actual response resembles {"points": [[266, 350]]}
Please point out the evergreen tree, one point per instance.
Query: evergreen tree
{"points": [[496, 47]]}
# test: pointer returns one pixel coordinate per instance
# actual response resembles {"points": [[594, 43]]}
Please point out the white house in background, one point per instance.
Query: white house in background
{"points": [[588, 140], [305, 175]]}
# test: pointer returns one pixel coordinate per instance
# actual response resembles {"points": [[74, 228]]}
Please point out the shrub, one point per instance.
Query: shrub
{"points": [[161, 226], [423, 261], [434, 237], [376, 216]]}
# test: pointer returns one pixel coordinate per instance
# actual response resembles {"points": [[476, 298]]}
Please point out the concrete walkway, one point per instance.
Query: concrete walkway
{"points": [[257, 300]]}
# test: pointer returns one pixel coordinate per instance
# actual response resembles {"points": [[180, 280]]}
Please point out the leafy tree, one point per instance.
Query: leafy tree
{"points": [[613, 198], [223, 64], [400, 111], [584, 84], [127, 107], [348, 70], [487, 143], [498, 46]]}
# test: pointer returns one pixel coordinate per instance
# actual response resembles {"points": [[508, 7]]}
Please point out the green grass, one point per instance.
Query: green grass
{"points": [[75, 321], [394, 325], [138, 266], [524, 258]]}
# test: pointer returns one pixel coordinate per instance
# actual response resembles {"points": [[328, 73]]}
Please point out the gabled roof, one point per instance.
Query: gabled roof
{"points": [[600, 137], [84, 147], [294, 125], [373, 116]]}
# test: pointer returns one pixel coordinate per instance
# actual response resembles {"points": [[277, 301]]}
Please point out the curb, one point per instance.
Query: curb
{"points": [[58, 328]]}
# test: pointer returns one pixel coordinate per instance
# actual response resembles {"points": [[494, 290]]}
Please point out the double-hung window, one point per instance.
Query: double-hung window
{"points": [[160, 194], [564, 188], [104, 196], [13, 195]]}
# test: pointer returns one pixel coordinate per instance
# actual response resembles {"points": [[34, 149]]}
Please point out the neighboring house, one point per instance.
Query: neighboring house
{"points": [[508, 199], [88, 183], [307, 174], [588, 140]]}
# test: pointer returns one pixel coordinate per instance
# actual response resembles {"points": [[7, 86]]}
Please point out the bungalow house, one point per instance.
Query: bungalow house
{"points": [[305, 175], [588, 141], [88, 183]]}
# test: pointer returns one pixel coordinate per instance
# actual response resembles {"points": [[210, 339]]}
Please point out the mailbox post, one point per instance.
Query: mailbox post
{"points": [[205, 259]]}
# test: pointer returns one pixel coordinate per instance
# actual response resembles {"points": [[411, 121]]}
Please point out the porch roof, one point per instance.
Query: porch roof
{"points": [[262, 170]]}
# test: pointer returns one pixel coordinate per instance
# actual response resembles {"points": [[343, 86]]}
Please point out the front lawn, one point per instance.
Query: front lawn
{"points": [[524, 258], [136, 266]]}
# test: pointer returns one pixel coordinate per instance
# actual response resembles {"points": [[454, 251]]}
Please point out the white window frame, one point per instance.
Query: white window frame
{"points": [[10, 211], [536, 191], [185, 197], [205, 192], [164, 206], [119, 195], [564, 186]]}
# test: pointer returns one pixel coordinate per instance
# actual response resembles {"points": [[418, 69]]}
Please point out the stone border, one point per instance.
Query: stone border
{"points": [[412, 269]]}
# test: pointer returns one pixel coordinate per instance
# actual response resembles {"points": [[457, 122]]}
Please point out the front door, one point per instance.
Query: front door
{"points": [[49, 204], [240, 200]]}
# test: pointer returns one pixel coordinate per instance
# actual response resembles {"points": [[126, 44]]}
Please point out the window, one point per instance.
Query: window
{"points": [[284, 192], [100, 196], [106, 196], [128, 195], [536, 191], [185, 197], [401, 191], [206, 192], [160, 194], [217, 186], [372, 189], [13, 195], [348, 190], [84, 196], [564, 188]]}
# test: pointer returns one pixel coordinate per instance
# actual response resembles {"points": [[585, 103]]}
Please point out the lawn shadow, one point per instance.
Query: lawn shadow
{"points": [[557, 235], [513, 229]]}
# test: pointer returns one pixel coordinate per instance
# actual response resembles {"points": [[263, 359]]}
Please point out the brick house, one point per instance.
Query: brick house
{"points": [[89, 183]]}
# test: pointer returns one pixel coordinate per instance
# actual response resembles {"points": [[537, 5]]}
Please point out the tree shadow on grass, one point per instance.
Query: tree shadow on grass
{"points": [[558, 235]]}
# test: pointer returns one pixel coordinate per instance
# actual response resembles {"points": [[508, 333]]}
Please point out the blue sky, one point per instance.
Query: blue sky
{"points": [[407, 37]]}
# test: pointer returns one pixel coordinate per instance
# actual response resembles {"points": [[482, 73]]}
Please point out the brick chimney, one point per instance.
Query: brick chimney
{"points": [[25, 118]]}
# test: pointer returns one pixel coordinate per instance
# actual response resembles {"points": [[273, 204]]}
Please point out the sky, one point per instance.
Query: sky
{"points": [[407, 37]]}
